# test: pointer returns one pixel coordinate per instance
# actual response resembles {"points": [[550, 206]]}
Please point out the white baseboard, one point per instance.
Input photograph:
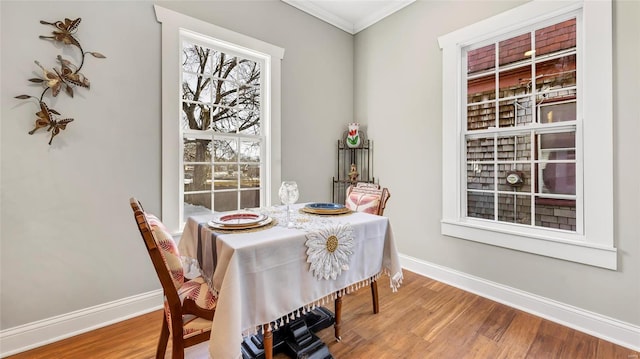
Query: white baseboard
{"points": [[609, 329], [31, 335]]}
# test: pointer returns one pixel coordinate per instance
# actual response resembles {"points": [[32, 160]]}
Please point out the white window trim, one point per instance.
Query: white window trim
{"points": [[596, 245], [172, 23]]}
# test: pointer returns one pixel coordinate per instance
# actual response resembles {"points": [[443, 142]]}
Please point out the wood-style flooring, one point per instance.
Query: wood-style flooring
{"points": [[424, 319]]}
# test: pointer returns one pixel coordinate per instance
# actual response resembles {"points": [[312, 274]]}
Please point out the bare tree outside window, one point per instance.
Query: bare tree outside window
{"points": [[221, 125]]}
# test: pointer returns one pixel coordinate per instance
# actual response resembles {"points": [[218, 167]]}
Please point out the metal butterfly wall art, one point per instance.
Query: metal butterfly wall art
{"points": [[46, 119], [65, 77]]}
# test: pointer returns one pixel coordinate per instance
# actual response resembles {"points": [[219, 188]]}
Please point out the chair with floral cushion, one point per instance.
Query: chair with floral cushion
{"points": [[189, 305], [368, 198]]}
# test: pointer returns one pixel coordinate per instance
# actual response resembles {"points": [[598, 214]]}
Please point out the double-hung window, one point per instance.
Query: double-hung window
{"points": [[527, 148], [223, 143], [220, 119]]}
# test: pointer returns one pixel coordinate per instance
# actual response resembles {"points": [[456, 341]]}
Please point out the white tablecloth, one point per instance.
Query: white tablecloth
{"points": [[263, 276]]}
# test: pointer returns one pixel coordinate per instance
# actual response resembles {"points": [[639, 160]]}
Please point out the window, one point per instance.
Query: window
{"points": [[521, 128], [220, 119], [527, 126]]}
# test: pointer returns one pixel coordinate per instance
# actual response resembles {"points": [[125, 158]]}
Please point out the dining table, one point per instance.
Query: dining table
{"points": [[293, 261]]}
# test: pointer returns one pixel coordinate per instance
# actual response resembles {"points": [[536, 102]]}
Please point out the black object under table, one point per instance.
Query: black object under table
{"points": [[296, 338]]}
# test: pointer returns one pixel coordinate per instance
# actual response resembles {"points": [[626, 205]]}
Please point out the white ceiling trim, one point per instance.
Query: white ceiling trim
{"points": [[379, 15], [364, 20], [322, 14]]}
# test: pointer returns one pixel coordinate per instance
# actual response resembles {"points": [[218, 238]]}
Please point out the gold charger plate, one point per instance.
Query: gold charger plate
{"points": [[233, 227], [325, 211]]}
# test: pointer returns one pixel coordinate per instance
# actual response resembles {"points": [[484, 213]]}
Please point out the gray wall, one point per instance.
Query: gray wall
{"points": [[68, 239], [398, 81]]}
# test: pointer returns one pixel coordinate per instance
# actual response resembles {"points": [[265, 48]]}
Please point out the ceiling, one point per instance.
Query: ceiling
{"points": [[351, 16]]}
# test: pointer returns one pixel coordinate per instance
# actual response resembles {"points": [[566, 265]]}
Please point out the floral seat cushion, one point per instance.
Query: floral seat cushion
{"points": [[364, 198], [363, 202], [195, 289], [198, 291], [168, 249]]}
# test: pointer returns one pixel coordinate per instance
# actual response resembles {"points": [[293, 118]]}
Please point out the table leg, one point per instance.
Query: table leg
{"points": [[267, 341], [374, 297], [338, 317]]}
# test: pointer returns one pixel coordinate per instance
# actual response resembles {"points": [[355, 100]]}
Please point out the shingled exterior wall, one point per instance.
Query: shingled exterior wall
{"points": [[516, 82]]}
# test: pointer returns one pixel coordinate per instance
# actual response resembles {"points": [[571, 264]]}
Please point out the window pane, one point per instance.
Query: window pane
{"points": [[196, 87], [558, 112], [480, 176], [225, 150], [226, 93], [246, 72], [558, 178], [249, 122], [555, 141], [556, 73], [482, 59], [195, 58], [196, 203], [196, 150], [561, 36], [481, 117], [481, 89], [522, 170], [195, 116], [515, 82], [224, 120], [480, 149], [516, 112], [226, 201], [249, 98], [222, 64], [514, 208], [514, 148], [250, 151], [250, 176], [197, 177], [560, 214], [515, 49], [226, 177], [557, 169], [250, 199], [480, 205]]}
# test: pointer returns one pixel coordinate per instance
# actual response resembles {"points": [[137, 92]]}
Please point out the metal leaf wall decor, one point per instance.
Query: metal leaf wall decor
{"points": [[65, 77]]}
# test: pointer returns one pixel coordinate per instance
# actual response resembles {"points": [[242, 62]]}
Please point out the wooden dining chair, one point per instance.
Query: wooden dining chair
{"points": [[189, 305], [368, 198]]}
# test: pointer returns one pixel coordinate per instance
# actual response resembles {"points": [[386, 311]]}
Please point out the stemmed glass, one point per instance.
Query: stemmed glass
{"points": [[289, 195]]}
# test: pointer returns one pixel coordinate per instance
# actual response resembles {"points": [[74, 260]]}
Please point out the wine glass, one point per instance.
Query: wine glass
{"points": [[288, 195]]}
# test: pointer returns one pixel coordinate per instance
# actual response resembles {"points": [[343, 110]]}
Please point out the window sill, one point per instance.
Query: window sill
{"points": [[571, 247]]}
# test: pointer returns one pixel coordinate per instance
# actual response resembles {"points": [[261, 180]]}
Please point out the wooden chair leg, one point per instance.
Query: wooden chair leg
{"points": [[164, 339], [338, 317], [177, 351], [267, 341], [177, 341], [374, 296]]}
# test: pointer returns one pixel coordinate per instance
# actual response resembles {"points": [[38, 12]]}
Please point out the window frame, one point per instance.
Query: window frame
{"points": [[595, 245], [173, 24]]}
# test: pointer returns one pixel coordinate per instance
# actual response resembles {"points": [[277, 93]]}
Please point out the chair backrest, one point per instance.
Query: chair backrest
{"points": [[162, 251], [367, 197]]}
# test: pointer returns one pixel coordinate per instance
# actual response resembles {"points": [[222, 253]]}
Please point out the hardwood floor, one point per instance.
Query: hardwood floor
{"points": [[424, 319]]}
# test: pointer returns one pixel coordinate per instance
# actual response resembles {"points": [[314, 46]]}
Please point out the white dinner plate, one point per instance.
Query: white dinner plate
{"points": [[239, 219]]}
